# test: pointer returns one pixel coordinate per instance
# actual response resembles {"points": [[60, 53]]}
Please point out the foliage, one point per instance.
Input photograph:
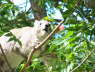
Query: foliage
{"points": [[63, 53]]}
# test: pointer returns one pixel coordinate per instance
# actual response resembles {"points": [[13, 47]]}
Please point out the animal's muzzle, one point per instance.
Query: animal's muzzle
{"points": [[47, 28]]}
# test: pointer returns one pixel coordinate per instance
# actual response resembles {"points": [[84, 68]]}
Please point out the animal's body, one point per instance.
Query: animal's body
{"points": [[29, 38]]}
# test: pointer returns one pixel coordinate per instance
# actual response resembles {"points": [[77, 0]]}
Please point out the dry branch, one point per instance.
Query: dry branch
{"points": [[39, 46]]}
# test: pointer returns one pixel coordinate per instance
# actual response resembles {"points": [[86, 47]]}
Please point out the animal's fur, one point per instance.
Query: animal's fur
{"points": [[29, 37]]}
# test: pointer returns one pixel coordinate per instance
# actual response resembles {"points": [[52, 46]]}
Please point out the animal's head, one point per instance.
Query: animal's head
{"points": [[42, 27]]}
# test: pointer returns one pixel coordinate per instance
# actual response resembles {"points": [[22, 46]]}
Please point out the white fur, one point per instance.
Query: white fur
{"points": [[29, 37]]}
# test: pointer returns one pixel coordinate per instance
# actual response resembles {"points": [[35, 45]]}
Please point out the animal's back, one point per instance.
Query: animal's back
{"points": [[24, 35]]}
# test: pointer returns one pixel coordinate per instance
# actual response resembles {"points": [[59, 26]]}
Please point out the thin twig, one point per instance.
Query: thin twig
{"points": [[39, 46], [83, 61], [5, 58]]}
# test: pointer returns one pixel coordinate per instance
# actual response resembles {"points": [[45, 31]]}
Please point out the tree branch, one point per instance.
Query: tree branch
{"points": [[39, 46], [5, 58], [82, 61]]}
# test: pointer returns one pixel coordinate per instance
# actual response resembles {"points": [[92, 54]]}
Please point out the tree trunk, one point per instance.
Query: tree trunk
{"points": [[38, 11]]}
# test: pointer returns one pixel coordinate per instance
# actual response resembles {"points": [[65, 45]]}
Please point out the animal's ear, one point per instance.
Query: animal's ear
{"points": [[36, 22]]}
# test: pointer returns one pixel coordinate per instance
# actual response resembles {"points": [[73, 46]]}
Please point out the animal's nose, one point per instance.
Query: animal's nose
{"points": [[48, 25]]}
